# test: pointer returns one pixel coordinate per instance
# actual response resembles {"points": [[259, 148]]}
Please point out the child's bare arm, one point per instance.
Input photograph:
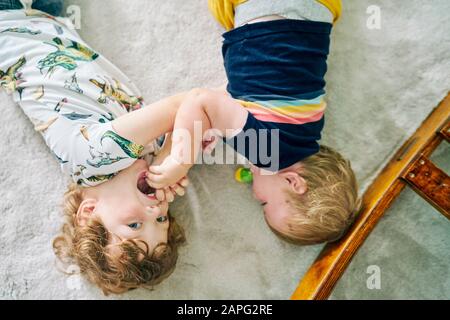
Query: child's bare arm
{"points": [[169, 193], [211, 109], [147, 124]]}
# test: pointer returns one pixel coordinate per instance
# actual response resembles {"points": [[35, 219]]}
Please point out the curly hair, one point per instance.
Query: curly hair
{"points": [[88, 246], [330, 204]]}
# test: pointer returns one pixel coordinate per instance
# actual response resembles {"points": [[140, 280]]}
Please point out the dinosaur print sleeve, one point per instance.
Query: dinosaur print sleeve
{"points": [[96, 153], [70, 93]]}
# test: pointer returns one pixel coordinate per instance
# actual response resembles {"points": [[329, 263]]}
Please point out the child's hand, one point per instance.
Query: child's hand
{"points": [[168, 194], [167, 174], [210, 140]]}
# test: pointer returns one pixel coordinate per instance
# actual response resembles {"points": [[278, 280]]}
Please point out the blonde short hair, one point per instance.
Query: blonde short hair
{"points": [[88, 247], [330, 204]]}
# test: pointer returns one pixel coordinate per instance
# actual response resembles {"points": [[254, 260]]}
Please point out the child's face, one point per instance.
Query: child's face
{"points": [[128, 213], [271, 190]]}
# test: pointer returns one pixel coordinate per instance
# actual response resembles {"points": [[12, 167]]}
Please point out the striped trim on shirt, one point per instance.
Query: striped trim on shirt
{"points": [[295, 111]]}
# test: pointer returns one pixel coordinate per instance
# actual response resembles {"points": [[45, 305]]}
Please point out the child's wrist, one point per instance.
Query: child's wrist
{"points": [[180, 161]]}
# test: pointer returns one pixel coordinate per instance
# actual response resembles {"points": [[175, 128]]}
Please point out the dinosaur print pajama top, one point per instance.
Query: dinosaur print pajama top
{"points": [[70, 93]]}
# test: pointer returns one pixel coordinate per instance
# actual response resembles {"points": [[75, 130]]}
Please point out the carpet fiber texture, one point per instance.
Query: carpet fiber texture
{"points": [[381, 85]]}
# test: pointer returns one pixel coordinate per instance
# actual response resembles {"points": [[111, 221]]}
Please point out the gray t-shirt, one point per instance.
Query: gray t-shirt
{"points": [[310, 10]]}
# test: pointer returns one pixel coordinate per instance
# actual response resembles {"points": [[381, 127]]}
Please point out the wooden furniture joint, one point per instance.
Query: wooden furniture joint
{"points": [[445, 132], [431, 183]]}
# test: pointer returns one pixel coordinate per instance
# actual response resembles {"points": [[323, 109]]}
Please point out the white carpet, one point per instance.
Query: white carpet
{"points": [[381, 85]]}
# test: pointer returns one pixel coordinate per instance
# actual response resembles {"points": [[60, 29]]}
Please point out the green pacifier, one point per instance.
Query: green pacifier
{"points": [[243, 175]]}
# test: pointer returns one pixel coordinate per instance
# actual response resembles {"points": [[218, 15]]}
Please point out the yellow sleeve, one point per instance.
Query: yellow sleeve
{"points": [[223, 11], [335, 6]]}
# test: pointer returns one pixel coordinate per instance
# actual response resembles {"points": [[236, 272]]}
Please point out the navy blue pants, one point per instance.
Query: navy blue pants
{"points": [[53, 7]]}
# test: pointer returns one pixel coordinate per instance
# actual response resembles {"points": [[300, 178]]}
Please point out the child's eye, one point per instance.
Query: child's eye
{"points": [[135, 226], [161, 219]]}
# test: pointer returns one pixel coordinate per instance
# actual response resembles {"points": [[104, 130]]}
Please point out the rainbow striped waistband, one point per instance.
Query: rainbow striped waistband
{"points": [[295, 111]]}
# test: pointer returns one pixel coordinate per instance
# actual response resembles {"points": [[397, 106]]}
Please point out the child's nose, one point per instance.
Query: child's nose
{"points": [[152, 211]]}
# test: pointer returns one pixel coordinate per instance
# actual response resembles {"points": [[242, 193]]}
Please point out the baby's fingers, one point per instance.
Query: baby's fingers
{"points": [[160, 195], [156, 183], [158, 178], [156, 170], [184, 182], [169, 195], [177, 189]]}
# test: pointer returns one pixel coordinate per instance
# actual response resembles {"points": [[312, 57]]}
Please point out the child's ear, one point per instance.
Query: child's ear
{"points": [[85, 211], [296, 182]]}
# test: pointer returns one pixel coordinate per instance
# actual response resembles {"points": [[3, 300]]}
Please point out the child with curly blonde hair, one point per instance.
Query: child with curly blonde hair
{"points": [[94, 121], [273, 114]]}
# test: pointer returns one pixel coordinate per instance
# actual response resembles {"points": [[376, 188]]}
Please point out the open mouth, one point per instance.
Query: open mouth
{"points": [[144, 188]]}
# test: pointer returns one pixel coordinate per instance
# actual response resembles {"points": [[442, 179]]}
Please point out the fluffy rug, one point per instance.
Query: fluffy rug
{"points": [[381, 85]]}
